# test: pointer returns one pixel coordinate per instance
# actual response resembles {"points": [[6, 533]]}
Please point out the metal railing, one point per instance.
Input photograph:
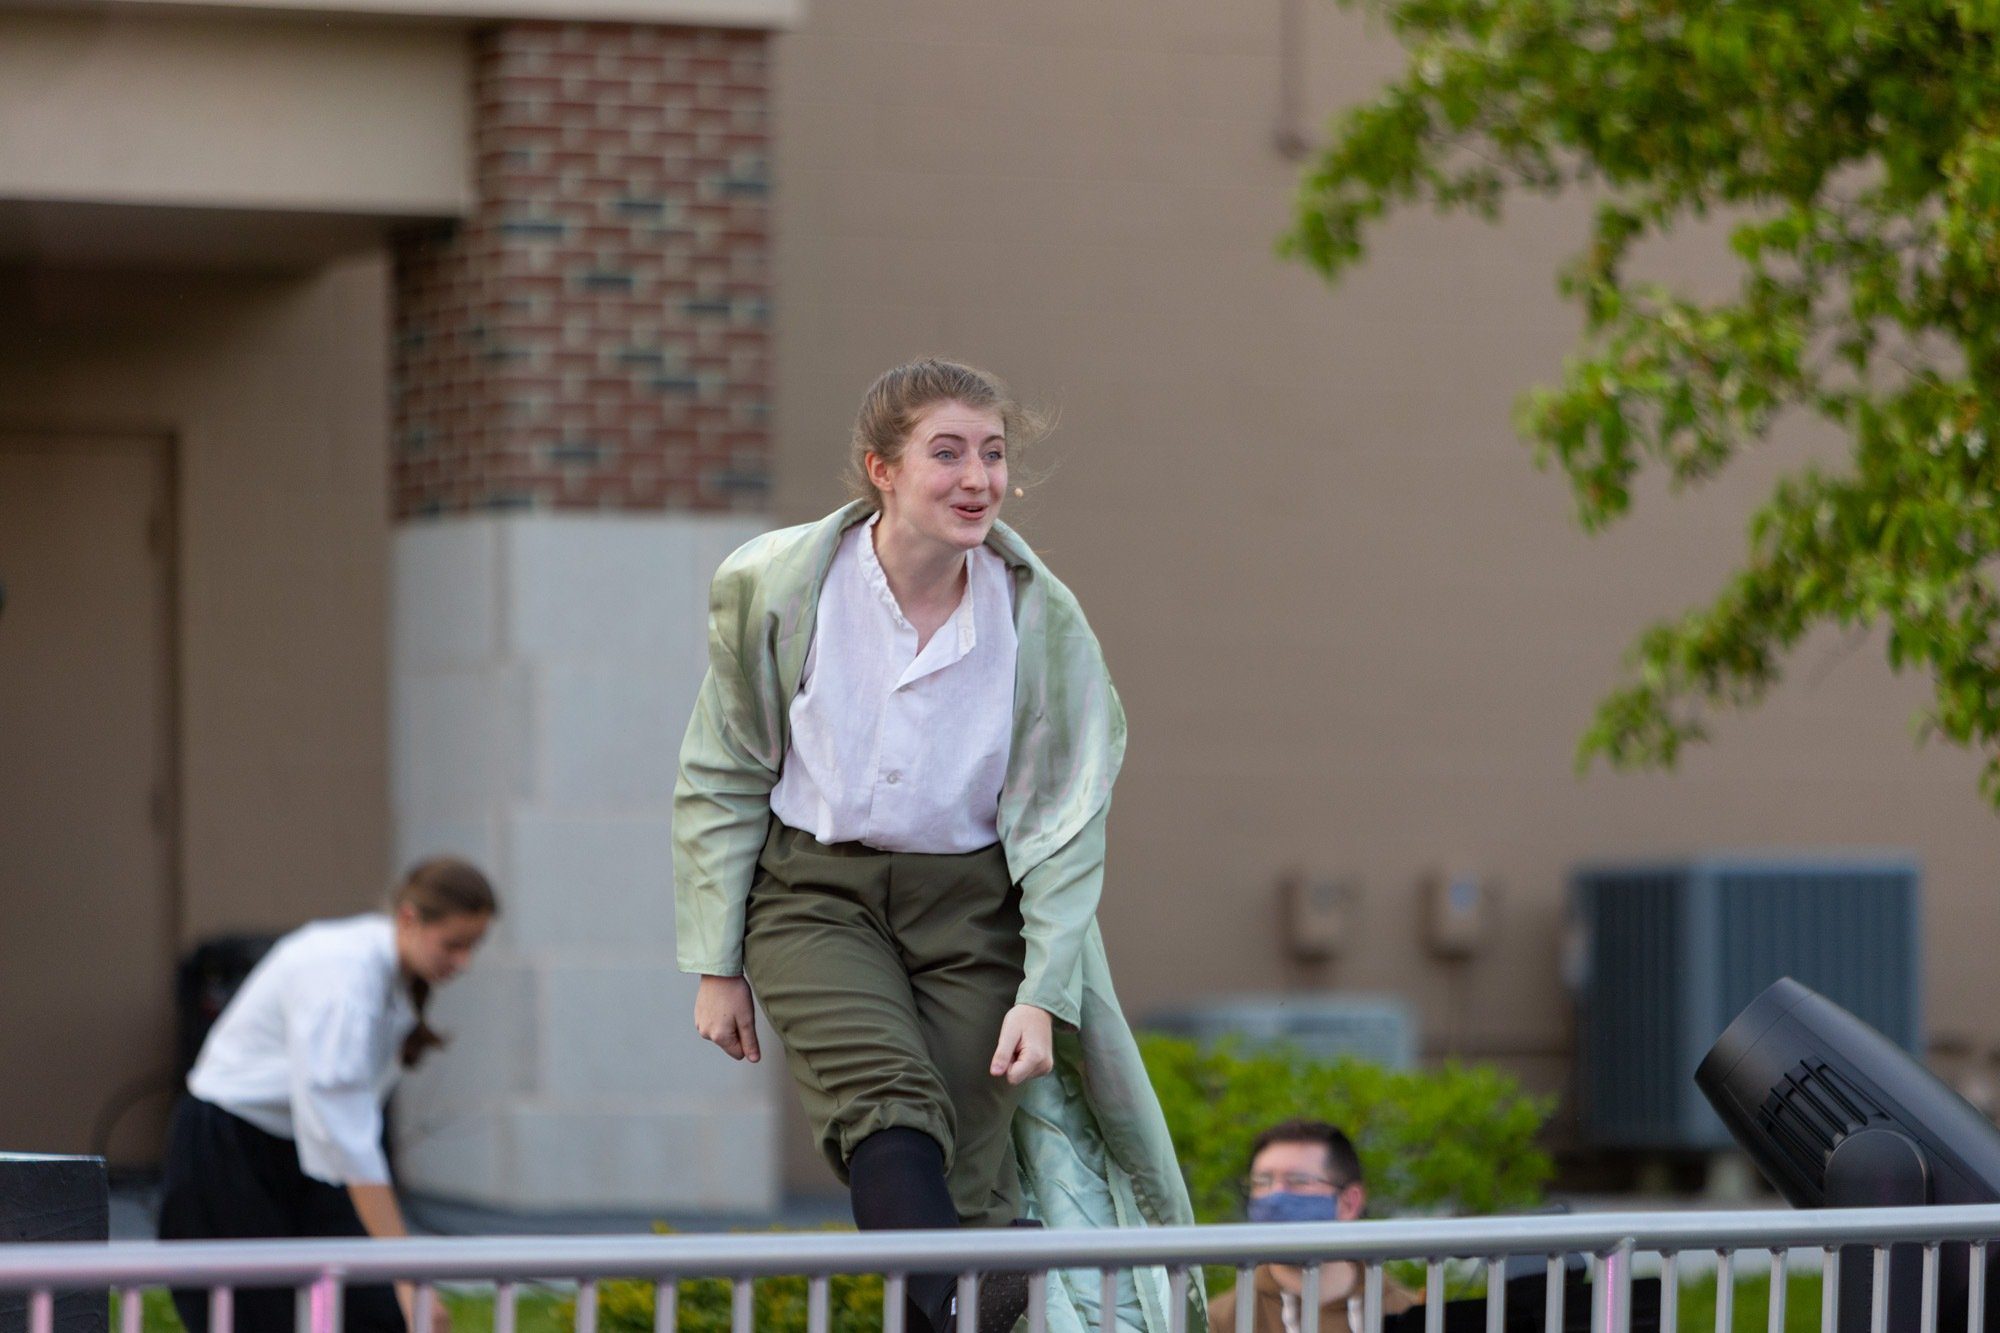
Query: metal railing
{"points": [[319, 1270]]}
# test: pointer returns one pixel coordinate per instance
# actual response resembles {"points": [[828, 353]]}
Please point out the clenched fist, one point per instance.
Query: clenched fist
{"points": [[725, 1014], [1027, 1045]]}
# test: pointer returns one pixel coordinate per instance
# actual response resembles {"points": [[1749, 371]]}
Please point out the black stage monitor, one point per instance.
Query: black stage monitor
{"points": [[1836, 1116]]}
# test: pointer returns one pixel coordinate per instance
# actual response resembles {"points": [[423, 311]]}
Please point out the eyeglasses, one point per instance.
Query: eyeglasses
{"points": [[1292, 1182]]}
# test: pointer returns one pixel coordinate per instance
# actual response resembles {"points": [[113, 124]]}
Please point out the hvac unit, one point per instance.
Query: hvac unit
{"points": [[1379, 1028], [1672, 952]]}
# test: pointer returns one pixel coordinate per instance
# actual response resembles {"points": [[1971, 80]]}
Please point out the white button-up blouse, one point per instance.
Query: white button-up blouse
{"points": [[902, 750]]}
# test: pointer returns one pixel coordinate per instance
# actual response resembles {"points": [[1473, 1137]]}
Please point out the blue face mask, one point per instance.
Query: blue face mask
{"points": [[1283, 1207]]}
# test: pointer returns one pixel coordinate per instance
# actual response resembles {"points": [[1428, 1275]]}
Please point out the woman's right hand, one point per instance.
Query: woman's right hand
{"points": [[725, 1014]]}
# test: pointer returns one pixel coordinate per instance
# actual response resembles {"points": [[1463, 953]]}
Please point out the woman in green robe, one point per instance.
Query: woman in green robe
{"points": [[889, 825]]}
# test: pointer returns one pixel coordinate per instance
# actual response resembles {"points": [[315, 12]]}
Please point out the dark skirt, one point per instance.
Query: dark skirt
{"points": [[224, 1178]]}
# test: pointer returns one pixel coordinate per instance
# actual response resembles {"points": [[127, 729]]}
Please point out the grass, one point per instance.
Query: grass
{"points": [[1750, 1304]]}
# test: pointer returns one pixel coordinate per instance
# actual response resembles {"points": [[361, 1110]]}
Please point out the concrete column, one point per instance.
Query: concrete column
{"points": [[581, 436]]}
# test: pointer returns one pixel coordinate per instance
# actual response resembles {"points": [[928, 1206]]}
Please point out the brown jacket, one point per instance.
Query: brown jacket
{"points": [[1270, 1310]]}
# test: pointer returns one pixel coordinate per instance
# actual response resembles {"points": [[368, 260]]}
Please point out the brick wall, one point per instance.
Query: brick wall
{"points": [[597, 334]]}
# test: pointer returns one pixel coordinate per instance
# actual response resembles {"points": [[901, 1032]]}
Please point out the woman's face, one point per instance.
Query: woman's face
{"points": [[438, 950], [949, 483]]}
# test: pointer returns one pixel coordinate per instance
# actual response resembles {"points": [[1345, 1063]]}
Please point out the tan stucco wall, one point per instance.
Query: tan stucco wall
{"points": [[274, 390], [130, 107], [1355, 630]]}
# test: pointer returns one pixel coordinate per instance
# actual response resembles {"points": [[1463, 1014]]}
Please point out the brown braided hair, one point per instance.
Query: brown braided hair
{"points": [[436, 888]]}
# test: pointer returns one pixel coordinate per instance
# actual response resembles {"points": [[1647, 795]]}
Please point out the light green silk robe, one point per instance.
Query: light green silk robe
{"points": [[1090, 1138]]}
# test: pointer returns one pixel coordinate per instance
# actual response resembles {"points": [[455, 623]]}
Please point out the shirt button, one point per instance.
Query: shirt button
{"points": [[893, 777]]}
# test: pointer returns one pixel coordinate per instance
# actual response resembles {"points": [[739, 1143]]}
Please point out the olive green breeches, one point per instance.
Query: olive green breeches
{"points": [[886, 976]]}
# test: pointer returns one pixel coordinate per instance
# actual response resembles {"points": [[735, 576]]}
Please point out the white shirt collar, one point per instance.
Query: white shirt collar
{"points": [[953, 640], [876, 577]]}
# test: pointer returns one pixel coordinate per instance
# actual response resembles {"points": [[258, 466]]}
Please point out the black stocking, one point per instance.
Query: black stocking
{"points": [[897, 1179]]}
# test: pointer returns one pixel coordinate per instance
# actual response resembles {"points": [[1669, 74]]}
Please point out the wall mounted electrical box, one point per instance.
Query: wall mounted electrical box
{"points": [[1459, 912], [1315, 916]]}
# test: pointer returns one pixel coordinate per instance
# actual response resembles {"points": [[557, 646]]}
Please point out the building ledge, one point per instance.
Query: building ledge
{"points": [[90, 234], [717, 13]]}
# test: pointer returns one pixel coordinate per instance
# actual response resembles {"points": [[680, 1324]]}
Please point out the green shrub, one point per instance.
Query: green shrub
{"points": [[1458, 1139], [156, 1312], [536, 1310], [855, 1303], [703, 1305]]}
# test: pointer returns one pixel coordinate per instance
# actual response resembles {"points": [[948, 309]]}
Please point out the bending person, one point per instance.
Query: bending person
{"points": [[280, 1133], [889, 825]]}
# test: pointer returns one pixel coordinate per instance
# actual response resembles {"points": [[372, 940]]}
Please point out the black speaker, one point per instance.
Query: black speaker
{"points": [[55, 1198], [1837, 1116], [208, 977]]}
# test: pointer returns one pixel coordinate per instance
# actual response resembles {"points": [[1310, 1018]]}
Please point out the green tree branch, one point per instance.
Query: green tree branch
{"points": [[1863, 143]]}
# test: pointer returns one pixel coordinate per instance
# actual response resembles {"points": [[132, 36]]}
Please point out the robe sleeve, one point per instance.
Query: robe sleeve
{"points": [[728, 765], [1058, 900], [722, 812]]}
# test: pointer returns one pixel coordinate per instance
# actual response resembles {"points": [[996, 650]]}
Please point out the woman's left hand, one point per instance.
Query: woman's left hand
{"points": [[1027, 1045]]}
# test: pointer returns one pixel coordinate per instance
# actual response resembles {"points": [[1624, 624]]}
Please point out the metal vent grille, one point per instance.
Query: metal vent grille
{"points": [[1635, 938], [1674, 951], [1837, 933], [1812, 1112]]}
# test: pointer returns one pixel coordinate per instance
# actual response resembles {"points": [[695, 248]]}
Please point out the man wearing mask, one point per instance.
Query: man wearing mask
{"points": [[1305, 1171]]}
